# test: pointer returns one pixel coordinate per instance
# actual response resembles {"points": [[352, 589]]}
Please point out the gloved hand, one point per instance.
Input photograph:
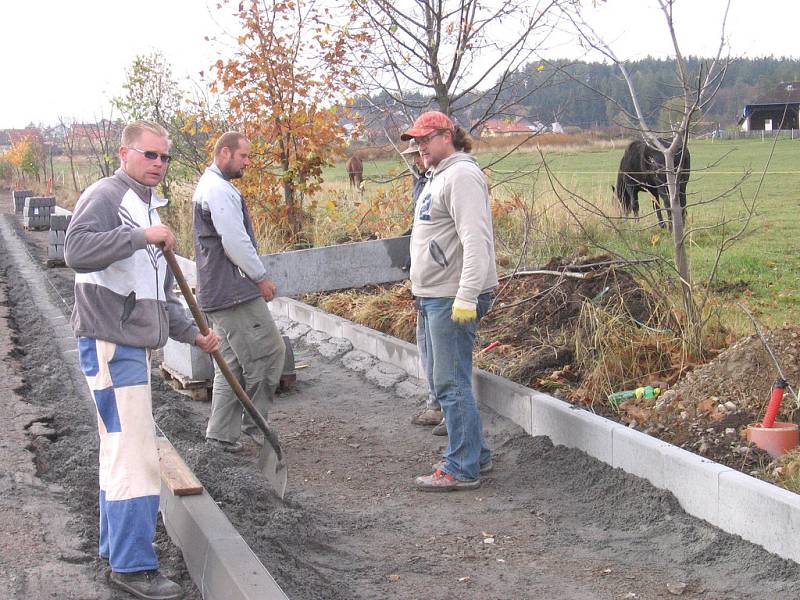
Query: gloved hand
{"points": [[464, 312]]}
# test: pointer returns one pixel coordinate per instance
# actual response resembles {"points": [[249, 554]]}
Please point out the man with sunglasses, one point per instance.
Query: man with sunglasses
{"points": [[125, 306], [453, 273], [233, 289]]}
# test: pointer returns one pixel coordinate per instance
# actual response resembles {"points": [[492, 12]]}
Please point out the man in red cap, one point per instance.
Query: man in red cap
{"points": [[452, 276]]}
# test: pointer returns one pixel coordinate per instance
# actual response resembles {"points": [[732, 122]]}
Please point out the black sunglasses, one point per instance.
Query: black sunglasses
{"points": [[152, 155]]}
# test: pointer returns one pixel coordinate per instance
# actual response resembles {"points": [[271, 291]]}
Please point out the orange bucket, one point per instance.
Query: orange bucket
{"points": [[777, 440]]}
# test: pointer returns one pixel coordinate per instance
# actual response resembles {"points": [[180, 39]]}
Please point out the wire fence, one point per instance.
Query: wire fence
{"points": [[735, 134]]}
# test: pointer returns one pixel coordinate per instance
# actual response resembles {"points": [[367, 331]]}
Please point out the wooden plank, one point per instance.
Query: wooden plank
{"points": [[179, 478], [196, 390]]}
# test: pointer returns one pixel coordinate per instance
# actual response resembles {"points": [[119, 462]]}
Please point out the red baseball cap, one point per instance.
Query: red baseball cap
{"points": [[428, 123]]}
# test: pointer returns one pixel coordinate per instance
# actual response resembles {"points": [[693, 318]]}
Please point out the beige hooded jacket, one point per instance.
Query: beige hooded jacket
{"points": [[452, 243]]}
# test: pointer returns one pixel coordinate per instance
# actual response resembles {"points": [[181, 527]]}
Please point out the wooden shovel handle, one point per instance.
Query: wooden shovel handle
{"points": [[200, 319]]}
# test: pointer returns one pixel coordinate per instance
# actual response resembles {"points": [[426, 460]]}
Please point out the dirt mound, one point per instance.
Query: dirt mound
{"points": [[707, 412], [536, 316], [744, 373], [534, 319]]}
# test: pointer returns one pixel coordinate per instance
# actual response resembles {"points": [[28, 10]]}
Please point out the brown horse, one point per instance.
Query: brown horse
{"points": [[355, 170]]}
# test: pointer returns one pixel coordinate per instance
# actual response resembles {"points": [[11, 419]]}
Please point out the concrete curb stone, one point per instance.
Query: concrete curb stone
{"points": [[334, 347]]}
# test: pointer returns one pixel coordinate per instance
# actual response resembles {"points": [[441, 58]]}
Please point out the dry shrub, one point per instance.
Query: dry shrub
{"points": [[342, 214], [178, 216], [784, 471], [614, 352], [389, 310], [526, 363]]}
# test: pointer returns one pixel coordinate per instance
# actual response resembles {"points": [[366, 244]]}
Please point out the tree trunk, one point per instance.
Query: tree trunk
{"points": [[293, 215], [72, 171], [693, 322]]}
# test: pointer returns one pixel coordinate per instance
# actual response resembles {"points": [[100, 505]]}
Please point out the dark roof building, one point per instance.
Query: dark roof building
{"points": [[779, 109]]}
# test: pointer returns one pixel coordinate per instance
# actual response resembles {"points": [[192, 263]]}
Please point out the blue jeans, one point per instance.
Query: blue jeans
{"points": [[431, 403], [448, 365]]}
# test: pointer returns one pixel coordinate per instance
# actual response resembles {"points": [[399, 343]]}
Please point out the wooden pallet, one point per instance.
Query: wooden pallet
{"points": [[196, 389]]}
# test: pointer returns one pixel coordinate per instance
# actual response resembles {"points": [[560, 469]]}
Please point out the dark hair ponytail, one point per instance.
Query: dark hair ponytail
{"points": [[461, 140]]}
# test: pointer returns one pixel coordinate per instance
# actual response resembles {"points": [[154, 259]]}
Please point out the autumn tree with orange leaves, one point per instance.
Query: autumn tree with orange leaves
{"points": [[284, 86], [25, 156]]}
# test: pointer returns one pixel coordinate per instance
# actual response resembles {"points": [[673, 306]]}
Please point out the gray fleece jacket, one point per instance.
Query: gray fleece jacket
{"points": [[123, 287], [452, 242]]}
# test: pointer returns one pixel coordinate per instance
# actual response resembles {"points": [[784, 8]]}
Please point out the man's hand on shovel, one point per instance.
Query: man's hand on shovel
{"points": [[207, 343]]}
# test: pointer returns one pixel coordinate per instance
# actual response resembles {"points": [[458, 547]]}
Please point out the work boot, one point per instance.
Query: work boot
{"points": [[232, 447], [149, 585], [428, 417], [440, 429]]}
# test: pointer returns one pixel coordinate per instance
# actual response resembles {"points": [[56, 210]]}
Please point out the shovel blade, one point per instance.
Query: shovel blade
{"points": [[273, 468]]}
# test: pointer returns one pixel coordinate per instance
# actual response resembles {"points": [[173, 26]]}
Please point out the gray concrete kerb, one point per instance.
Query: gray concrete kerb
{"points": [[218, 559], [737, 503]]}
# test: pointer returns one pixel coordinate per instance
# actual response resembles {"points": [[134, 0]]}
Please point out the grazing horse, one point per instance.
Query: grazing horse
{"points": [[355, 170], [642, 168]]}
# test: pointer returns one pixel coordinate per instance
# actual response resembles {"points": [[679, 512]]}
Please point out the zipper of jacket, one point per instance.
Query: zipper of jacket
{"points": [[158, 300]]}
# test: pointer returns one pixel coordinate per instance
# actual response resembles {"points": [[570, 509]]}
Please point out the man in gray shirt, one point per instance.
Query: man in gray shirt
{"points": [[233, 289]]}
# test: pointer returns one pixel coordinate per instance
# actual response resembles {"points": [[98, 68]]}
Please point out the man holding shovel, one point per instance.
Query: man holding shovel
{"points": [[233, 290], [124, 308]]}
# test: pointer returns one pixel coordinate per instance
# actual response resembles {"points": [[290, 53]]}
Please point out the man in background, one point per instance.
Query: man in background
{"points": [[233, 289], [432, 415]]}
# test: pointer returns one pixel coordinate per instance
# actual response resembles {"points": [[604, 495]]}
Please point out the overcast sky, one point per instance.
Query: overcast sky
{"points": [[62, 58]]}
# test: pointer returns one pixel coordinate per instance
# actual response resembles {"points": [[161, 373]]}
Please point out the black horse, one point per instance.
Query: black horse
{"points": [[642, 168]]}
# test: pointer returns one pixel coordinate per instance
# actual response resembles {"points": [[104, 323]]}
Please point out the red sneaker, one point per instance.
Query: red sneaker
{"points": [[486, 467], [439, 481]]}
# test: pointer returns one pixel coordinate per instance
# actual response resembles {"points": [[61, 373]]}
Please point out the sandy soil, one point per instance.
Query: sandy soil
{"points": [[549, 522]]}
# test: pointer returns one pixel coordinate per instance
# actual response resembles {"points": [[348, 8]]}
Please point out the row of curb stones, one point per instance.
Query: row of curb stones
{"points": [[36, 212], [382, 374], [40, 213]]}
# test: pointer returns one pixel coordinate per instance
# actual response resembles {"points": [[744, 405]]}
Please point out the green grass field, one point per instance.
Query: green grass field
{"points": [[762, 267]]}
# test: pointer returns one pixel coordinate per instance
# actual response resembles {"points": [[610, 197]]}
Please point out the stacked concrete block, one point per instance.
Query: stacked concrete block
{"points": [[58, 231], [185, 361], [19, 199], [37, 210]]}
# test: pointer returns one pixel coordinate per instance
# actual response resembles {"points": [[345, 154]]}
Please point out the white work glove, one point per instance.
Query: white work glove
{"points": [[464, 312]]}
